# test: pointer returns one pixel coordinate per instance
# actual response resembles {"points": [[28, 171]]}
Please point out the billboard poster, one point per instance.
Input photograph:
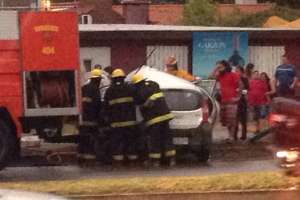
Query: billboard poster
{"points": [[210, 47]]}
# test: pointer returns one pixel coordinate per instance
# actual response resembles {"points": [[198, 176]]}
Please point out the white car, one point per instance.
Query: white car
{"points": [[194, 109], [22, 195]]}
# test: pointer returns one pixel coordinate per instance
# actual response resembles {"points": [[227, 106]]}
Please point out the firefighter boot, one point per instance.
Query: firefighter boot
{"points": [[80, 161], [117, 165], [132, 161], [172, 162], [155, 163], [86, 160], [117, 161], [83, 163]]}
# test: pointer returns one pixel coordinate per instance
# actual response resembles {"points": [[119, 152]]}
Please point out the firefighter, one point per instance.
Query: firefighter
{"points": [[156, 116], [172, 68], [120, 108], [91, 105]]}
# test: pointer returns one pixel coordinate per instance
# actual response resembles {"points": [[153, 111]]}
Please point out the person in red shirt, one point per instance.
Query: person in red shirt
{"points": [[258, 98], [229, 89]]}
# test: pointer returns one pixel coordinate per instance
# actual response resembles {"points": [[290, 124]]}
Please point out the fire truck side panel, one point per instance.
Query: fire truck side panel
{"points": [[49, 41]]}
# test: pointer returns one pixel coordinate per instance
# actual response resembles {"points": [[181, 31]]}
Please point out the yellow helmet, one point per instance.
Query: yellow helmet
{"points": [[96, 73], [137, 78], [118, 73]]}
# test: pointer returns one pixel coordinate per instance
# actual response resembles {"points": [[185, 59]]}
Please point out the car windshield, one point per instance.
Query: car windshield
{"points": [[183, 100]]}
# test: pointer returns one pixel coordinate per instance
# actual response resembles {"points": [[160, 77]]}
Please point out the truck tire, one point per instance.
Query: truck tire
{"points": [[6, 144], [203, 154], [49, 134], [49, 128], [203, 142]]}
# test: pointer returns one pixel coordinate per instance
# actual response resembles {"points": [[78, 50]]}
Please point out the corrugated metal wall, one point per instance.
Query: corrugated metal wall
{"points": [[97, 55], [158, 57], [9, 25], [266, 58]]}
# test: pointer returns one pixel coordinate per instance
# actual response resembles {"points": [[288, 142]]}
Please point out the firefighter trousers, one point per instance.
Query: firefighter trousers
{"points": [[86, 142], [124, 143], [160, 141]]}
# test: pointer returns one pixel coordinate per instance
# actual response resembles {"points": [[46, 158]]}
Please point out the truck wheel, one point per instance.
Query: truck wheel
{"points": [[203, 154], [49, 134], [6, 144], [206, 142], [50, 128]]}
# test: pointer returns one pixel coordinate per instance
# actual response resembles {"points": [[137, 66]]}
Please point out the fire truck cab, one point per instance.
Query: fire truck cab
{"points": [[39, 77]]}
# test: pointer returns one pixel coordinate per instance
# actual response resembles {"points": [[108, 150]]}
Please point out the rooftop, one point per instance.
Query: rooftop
{"points": [[138, 27]]}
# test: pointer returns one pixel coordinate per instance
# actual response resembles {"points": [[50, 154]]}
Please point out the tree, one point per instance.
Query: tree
{"points": [[200, 13]]}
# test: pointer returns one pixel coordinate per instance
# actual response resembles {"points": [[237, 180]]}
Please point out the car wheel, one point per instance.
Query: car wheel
{"points": [[203, 154], [6, 144], [204, 150]]}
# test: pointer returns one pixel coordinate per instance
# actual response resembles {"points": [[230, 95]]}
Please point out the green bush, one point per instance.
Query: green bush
{"points": [[199, 12]]}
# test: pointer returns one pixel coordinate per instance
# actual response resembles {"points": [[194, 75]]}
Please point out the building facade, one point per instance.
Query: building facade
{"points": [[130, 46]]}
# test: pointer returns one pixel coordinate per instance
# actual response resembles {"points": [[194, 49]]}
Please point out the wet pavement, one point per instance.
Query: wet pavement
{"points": [[75, 172], [226, 158]]}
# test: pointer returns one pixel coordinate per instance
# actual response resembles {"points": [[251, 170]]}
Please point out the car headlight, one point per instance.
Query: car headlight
{"points": [[281, 154], [292, 156], [289, 156]]}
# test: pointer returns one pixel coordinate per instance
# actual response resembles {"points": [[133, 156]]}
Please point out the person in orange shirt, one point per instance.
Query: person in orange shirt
{"points": [[172, 68]]}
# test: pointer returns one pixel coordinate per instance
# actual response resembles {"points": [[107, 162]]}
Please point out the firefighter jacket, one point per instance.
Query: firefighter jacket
{"points": [[91, 105], [152, 103], [120, 106], [185, 75]]}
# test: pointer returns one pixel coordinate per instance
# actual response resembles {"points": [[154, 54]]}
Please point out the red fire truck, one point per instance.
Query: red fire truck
{"points": [[39, 76]]}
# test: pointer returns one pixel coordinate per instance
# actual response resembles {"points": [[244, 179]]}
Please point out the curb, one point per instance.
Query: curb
{"points": [[289, 194]]}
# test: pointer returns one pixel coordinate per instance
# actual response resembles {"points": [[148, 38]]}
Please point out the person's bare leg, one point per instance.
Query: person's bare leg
{"points": [[229, 137], [262, 124]]}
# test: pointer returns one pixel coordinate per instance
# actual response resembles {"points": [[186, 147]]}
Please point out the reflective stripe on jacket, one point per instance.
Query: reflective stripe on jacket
{"points": [[120, 100], [91, 105], [122, 124], [159, 119], [119, 105], [152, 103]]}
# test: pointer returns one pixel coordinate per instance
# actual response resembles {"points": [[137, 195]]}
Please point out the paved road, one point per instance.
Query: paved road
{"points": [[74, 172], [226, 158]]}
